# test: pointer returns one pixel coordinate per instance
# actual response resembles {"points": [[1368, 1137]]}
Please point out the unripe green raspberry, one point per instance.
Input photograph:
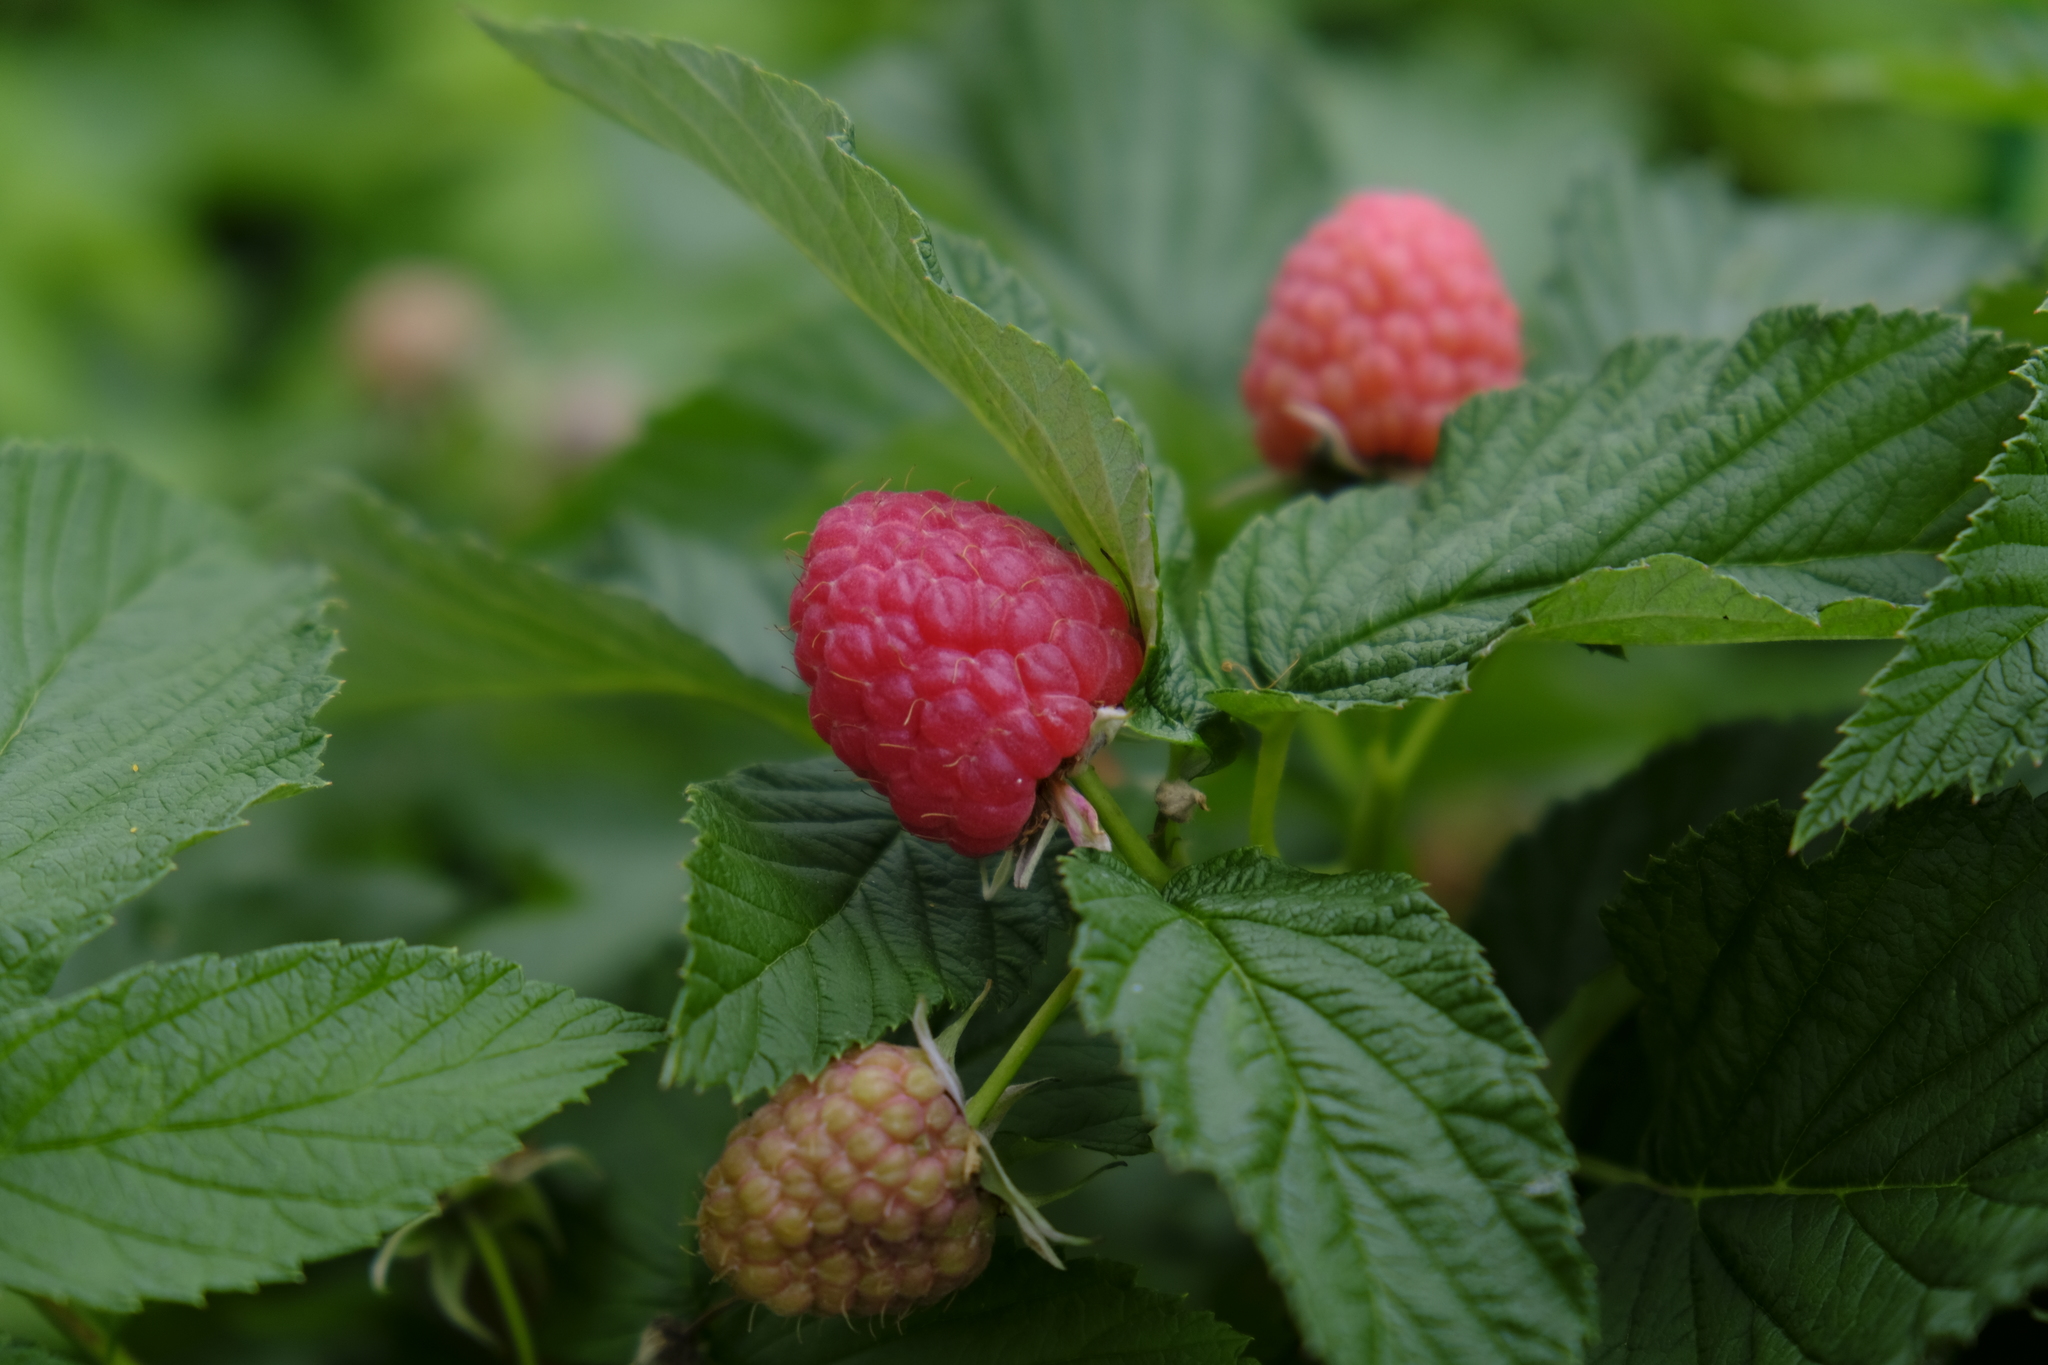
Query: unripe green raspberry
{"points": [[853, 1193]]}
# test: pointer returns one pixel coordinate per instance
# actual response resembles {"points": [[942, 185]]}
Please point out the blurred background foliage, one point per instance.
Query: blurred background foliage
{"points": [[257, 244]]}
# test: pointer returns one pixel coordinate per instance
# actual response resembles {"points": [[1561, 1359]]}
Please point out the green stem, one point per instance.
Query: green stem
{"points": [[1165, 833], [1416, 742], [1587, 1019], [1274, 737], [1601, 1171], [1123, 835], [493, 1257], [82, 1331], [1383, 792], [1013, 1061]]}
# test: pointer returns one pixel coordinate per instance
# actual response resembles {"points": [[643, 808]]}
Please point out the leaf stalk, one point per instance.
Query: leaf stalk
{"points": [[1020, 1051], [1383, 787], [1132, 846], [1274, 737], [500, 1274], [1578, 1031], [82, 1331]]}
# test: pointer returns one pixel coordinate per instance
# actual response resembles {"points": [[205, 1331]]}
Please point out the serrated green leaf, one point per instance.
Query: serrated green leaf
{"points": [[1672, 600], [1965, 699], [1679, 254], [1020, 1312], [210, 1124], [789, 152], [158, 679], [1538, 915], [1336, 1054], [1807, 459], [1845, 1158], [435, 618], [1153, 161], [816, 921]]}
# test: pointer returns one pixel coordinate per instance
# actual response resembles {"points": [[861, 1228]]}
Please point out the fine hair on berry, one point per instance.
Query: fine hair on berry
{"points": [[1384, 317], [854, 1193], [956, 656]]}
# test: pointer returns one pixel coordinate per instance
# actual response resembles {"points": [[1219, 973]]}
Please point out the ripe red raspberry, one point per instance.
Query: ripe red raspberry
{"points": [[956, 655], [853, 1193], [1386, 316]]}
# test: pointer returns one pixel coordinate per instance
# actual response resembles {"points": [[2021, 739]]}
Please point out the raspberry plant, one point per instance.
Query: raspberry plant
{"points": [[1737, 1057]]}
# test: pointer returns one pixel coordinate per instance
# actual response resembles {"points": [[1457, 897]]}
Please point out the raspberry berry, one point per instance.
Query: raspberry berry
{"points": [[853, 1193], [1387, 315], [956, 656]]}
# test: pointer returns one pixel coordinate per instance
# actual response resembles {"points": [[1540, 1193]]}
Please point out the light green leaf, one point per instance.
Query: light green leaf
{"points": [[14, 1352], [1152, 161], [789, 152], [1679, 254], [1845, 1157], [1673, 600], [158, 678], [734, 460], [1805, 462], [1966, 697], [1336, 1054], [440, 618], [1538, 915], [972, 271], [816, 921], [210, 1124], [737, 604], [1020, 1312]]}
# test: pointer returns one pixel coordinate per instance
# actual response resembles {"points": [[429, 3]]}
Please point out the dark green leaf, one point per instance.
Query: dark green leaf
{"points": [[789, 152], [1845, 1156], [210, 1124], [1087, 1099], [1020, 1312], [1336, 1054], [1084, 1098], [158, 678], [1679, 254], [1538, 915], [816, 921], [1152, 160], [439, 618], [1804, 462], [1965, 699]]}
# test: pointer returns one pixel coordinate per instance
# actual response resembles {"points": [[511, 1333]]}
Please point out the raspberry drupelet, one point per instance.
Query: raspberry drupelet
{"points": [[956, 656], [1386, 316], [851, 1194]]}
